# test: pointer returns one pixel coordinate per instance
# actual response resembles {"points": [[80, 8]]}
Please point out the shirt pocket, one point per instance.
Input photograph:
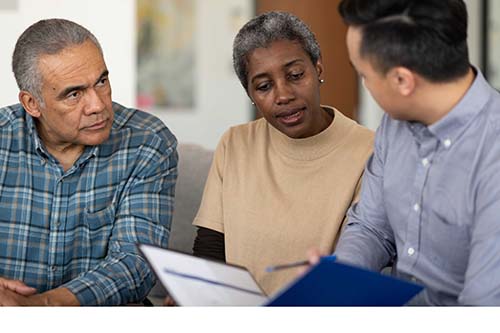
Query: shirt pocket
{"points": [[448, 235], [97, 230]]}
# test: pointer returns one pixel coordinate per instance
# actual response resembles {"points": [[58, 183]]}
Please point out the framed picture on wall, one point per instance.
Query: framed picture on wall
{"points": [[491, 50], [166, 55]]}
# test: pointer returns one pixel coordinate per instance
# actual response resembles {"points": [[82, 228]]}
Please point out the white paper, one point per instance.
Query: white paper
{"points": [[193, 281]]}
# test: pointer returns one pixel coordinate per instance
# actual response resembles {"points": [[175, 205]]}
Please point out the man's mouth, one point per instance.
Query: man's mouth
{"points": [[98, 125]]}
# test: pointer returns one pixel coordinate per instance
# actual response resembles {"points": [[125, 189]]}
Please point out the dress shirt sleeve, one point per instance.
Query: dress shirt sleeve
{"points": [[482, 277], [210, 214], [143, 215], [367, 239]]}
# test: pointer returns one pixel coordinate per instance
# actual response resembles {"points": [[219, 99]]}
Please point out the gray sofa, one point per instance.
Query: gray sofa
{"points": [[194, 163]]}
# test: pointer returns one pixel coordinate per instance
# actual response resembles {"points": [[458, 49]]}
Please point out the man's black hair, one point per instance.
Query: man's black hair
{"points": [[428, 37]]}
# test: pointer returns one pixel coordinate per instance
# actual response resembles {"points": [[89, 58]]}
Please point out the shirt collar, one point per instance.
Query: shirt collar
{"points": [[452, 124], [30, 122], [90, 151]]}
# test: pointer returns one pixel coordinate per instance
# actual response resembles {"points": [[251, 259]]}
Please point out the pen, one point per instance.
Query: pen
{"points": [[295, 264]]}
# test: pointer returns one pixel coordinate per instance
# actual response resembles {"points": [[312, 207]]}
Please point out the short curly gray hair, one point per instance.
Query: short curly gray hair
{"points": [[265, 29], [44, 37]]}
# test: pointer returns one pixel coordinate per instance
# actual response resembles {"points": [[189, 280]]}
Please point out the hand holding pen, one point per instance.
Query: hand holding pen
{"points": [[314, 258]]}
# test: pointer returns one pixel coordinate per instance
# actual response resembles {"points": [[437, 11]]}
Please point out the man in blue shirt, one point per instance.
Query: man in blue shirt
{"points": [[430, 198], [82, 179]]}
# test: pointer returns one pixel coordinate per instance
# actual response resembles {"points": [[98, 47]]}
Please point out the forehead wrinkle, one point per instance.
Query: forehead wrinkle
{"points": [[282, 59], [72, 66]]}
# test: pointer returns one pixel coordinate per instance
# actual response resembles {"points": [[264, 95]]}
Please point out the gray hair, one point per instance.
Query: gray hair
{"points": [[46, 37], [265, 29]]}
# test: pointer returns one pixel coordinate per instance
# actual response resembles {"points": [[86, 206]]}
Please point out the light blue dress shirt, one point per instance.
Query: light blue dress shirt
{"points": [[430, 202]]}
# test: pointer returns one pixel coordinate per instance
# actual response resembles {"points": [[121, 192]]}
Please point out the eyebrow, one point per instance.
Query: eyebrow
{"points": [[104, 74], [288, 64], [67, 90]]}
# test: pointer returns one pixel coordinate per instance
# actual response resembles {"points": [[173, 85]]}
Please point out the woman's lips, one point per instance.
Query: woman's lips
{"points": [[292, 117]]}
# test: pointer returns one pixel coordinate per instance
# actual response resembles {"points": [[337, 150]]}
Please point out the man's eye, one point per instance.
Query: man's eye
{"points": [[74, 95], [102, 81]]}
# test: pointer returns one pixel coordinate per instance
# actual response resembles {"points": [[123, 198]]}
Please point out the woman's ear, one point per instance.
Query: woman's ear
{"points": [[319, 68], [30, 103], [402, 80]]}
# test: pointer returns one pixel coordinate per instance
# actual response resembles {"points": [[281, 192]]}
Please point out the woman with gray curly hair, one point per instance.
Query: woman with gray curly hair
{"points": [[281, 184]]}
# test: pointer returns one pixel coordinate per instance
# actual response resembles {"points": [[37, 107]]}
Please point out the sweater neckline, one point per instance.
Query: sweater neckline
{"points": [[316, 146]]}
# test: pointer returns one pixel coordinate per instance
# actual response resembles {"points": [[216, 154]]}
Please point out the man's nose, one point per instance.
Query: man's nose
{"points": [[94, 103]]}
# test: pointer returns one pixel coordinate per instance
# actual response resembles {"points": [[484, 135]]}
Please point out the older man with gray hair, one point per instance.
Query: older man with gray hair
{"points": [[82, 179]]}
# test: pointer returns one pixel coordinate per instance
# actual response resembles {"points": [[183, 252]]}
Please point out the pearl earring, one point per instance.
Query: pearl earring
{"points": [[321, 81]]}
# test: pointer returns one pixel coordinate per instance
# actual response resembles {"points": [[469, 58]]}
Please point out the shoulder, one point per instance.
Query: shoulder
{"points": [[140, 128], [393, 127], [356, 135], [10, 114], [484, 134], [492, 115], [392, 133], [241, 141], [246, 135]]}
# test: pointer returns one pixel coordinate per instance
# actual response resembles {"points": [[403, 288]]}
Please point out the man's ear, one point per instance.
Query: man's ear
{"points": [[30, 103], [402, 80]]}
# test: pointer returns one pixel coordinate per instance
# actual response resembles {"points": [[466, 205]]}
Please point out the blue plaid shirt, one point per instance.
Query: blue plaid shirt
{"points": [[78, 229]]}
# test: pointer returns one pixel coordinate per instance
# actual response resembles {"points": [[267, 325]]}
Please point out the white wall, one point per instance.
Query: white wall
{"points": [[116, 39], [221, 102], [370, 113]]}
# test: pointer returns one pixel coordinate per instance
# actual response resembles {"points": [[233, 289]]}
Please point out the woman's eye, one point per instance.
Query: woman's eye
{"points": [[296, 76], [263, 87]]}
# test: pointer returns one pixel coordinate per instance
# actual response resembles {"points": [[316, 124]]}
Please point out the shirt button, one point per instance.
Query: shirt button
{"points": [[425, 162], [447, 143], [416, 207], [411, 251], [53, 268], [58, 224], [413, 279]]}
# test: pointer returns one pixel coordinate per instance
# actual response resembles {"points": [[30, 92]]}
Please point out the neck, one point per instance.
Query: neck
{"points": [[324, 120], [436, 100], [65, 153], [66, 156]]}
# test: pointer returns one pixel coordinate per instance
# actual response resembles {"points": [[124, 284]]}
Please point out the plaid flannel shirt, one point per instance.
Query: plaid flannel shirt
{"points": [[78, 229]]}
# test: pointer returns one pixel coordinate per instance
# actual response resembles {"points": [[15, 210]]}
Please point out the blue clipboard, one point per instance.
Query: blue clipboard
{"points": [[331, 283]]}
